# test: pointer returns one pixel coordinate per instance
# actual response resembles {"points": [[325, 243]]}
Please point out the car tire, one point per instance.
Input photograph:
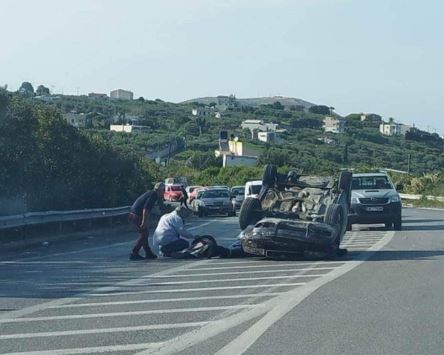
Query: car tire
{"points": [[335, 215], [345, 179], [270, 175], [397, 225], [388, 225], [250, 212], [200, 212]]}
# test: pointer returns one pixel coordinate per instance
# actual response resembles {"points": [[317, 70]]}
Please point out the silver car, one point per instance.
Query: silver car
{"points": [[213, 201], [374, 199]]}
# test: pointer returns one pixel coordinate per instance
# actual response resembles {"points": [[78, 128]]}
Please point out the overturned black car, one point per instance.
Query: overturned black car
{"points": [[296, 214]]}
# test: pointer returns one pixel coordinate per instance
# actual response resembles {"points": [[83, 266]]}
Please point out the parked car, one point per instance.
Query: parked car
{"points": [[237, 196], [190, 189], [296, 214], [173, 193], [374, 199], [193, 195], [213, 201]]}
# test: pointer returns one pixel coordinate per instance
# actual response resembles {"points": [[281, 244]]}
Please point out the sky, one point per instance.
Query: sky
{"points": [[381, 56]]}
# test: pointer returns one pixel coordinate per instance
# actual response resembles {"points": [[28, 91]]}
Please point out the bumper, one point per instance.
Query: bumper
{"points": [[289, 237], [217, 209], [368, 214]]}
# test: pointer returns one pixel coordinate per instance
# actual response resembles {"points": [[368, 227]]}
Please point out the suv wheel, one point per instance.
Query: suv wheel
{"points": [[250, 212]]}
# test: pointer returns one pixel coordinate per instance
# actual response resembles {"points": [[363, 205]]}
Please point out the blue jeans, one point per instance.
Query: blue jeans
{"points": [[173, 247]]}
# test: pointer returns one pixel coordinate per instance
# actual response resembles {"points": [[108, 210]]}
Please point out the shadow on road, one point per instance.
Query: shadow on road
{"points": [[392, 255]]}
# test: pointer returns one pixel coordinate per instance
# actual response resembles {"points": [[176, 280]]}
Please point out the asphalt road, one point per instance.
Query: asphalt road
{"points": [[85, 297]]}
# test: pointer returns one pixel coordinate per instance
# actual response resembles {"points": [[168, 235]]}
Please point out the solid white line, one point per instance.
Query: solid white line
{"points": [[242, 272], [103, 330], [240, 344], [276, 307], [258, 266], [231, 280], [163, 300], [199, 289], [123, 314], [91, 350], [132, 282]]}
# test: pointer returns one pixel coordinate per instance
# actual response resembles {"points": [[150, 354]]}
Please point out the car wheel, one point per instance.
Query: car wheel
{"points": [[388, 225], [270, 175], [397, 224], [345, 180], [250, 212], [334, 216], [200, 212]]}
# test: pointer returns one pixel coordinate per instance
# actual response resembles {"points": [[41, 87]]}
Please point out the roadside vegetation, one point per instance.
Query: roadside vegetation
{"points": [[47, 164]]}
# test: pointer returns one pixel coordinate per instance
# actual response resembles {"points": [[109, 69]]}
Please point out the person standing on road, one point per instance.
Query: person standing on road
{"points": [[169, 235], [184, 198], [139, 216]]}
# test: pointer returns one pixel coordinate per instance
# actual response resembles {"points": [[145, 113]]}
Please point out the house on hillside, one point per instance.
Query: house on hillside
{"points": [[390, 128], [78, 120], [128, 128], [96, 95], [232, 152], [334, 125], [121, 94]]}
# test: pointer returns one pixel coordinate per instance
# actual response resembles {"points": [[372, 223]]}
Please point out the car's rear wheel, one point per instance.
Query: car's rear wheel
{"points": [[250, 212], [335, 216]]}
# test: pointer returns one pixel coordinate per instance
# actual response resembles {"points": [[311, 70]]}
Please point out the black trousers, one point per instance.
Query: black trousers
{"points": [[173, 247]]}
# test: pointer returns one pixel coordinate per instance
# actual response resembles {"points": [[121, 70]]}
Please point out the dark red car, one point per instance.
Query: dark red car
{"points": [[173, 193]]}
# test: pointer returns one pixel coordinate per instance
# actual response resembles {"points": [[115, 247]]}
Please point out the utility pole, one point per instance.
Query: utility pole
{"points": [[408, 163]]}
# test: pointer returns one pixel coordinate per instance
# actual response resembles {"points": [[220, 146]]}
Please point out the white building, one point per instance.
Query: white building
{"points": [[78, 120], [128, 128], [121, 94], [267, 136], [238, 160], [334, 125], [259, 125], [232, 152], [390, 128]]}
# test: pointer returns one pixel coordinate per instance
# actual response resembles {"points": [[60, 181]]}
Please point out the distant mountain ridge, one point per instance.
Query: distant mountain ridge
{"points": [[256, 101]]}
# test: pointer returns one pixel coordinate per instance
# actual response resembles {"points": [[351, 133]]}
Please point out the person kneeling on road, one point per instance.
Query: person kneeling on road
{"points": [[167, 236]]}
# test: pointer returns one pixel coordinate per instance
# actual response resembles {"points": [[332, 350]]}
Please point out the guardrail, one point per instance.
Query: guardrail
{"points": [[33, 218], [418, 197]]}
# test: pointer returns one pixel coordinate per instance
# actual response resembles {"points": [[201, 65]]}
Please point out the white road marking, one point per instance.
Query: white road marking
{"points": [[163, 300], [242, 272], [274, 308], [132, 282], [90, 350], [295, 297], [124, 314], [102, 330], [263, 265], [232, 280], [199, 289]]}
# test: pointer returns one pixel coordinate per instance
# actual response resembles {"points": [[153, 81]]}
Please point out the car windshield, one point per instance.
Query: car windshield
{"points": [[371, 182], [214, 194], [255, 189], [237, 191]]}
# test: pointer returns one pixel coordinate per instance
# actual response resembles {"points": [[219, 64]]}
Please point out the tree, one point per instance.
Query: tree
{"points": [[42, 91], [320, 109], [26, 89]]}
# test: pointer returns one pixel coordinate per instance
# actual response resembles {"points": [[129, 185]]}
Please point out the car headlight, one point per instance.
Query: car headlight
{"points": [[354, 200], [395, 198]]}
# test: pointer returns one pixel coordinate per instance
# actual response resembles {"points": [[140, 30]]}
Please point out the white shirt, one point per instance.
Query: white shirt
{"points": [[169, 229]]}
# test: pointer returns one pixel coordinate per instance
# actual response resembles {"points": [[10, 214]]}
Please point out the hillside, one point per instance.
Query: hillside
{"points": [[122, 160], [256, 101]]}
